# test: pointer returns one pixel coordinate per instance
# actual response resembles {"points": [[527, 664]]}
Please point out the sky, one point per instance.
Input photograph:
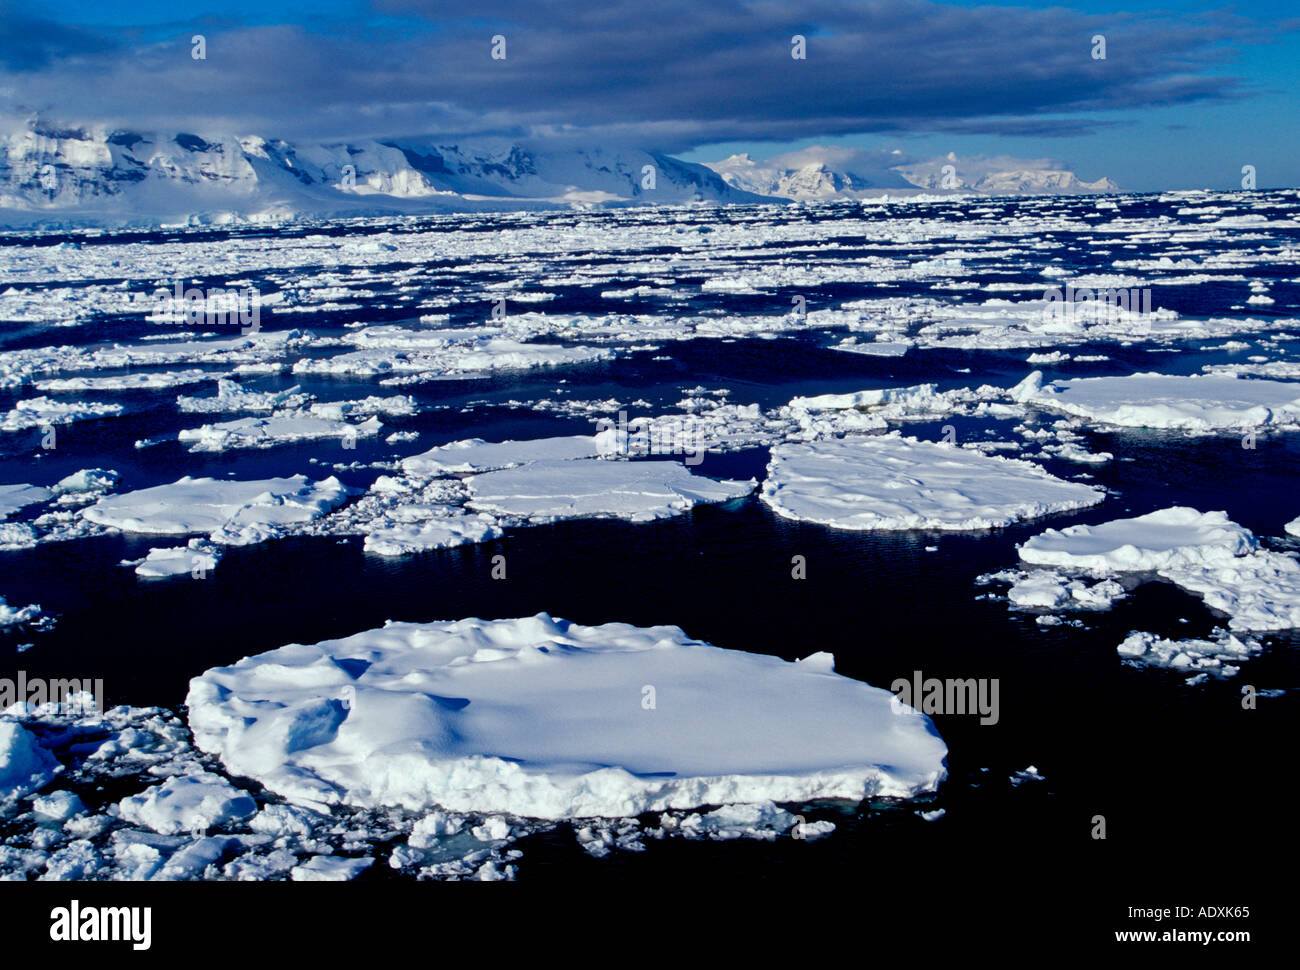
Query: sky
{"points": [[1187, 94]]}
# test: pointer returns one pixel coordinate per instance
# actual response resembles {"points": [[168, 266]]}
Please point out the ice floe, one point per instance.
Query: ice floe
{"points": [[197, 558], [639, 491], [544, 718], [233, 512], [42, 412], [1199, 403], [894, 483], [278, 429]]}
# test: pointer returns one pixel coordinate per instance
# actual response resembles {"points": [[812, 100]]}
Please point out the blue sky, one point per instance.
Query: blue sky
{"points": [[1189, 91]]}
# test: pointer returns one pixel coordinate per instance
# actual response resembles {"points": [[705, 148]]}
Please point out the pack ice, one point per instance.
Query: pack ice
{"points": [[540, 717], [893, 483]]}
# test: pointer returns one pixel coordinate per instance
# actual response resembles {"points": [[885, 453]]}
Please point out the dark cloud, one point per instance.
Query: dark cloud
{"points": [[29, 42], [671, 73]]}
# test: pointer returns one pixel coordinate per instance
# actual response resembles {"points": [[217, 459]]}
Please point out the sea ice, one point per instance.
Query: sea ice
{"points": [[25, 765], [1217, 656], [41, 412], [437, 531], [1200, 403], [894, 483], [15, 497], [544, 718], [1172, 537], [199, 554], [234, 512], [1203, 552], [187, 803], [639, 491], [278, 429], [476, 455]]}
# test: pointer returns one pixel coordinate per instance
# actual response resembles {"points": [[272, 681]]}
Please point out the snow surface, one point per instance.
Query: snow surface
{"points": [[895, 483], [545, 718], [1201, 403], [233, 512], [639, 491], [476, 455], [15, 497], [198, 554], [190, 802]]}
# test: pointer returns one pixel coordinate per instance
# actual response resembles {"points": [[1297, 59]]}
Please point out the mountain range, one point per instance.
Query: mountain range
{"points": [[57, 175]]}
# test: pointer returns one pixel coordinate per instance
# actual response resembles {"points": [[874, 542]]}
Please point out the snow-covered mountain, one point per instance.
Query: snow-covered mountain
{"points": [[1001, 175], [821, 172], [811, 174], [51, 174]]}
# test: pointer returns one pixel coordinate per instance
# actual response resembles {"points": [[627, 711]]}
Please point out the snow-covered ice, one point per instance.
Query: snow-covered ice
{"points": [[198, 557], [41, 412], [1216, 657], [15, 497], [1205, 553], [894, 483], [476, 455], [545, 718], [1200, 403], [639, 491], [233, 512], [186, 803], [25, 765]]}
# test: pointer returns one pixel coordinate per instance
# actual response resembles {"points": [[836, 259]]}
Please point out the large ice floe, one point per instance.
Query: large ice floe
{"points": [[1201, 403], [539, 717], [891, 482], [232, 512]]}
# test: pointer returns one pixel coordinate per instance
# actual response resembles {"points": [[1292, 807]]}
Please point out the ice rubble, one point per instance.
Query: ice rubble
{"points": [[1200, 403], [892, 483], [402, 356], [15, 615], [233, 512], [42, 412], [1204, 553], [544, 718], [25, 765], [1217, 657], [231, 396]]}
